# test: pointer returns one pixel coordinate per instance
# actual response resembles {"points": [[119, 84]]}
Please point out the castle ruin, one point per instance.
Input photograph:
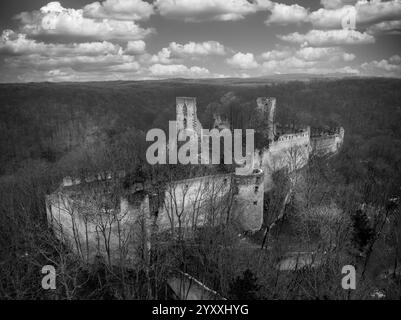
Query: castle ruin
{"points": [[77, 208]]}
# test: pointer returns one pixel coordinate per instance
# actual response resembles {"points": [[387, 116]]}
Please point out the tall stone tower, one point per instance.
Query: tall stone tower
{"points": [[248, 200], [186, 115], [268, 107]]}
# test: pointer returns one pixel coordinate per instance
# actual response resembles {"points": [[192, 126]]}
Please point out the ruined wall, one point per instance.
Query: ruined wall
{"points": [[195, 202], [248, 200], [290, 151], [325, 144], [82, 226]]}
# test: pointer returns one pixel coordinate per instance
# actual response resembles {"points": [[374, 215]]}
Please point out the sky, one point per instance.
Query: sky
{"points": [[84, 40]]}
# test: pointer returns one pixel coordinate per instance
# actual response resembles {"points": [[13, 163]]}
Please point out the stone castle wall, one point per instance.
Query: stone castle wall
{"points": [[289, 151], [195, 202], [77, 222], [327, 143], [248, 200]]}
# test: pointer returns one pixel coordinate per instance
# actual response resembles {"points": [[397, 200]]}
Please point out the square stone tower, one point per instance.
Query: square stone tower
{"points": [[267, 106], [186, 114]]}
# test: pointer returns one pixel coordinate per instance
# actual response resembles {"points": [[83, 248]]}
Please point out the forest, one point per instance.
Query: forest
{"points": [[344, 211]]}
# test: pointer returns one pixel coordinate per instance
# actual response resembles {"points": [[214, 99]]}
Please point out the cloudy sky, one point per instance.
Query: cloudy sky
{"points": [[81, 40]]}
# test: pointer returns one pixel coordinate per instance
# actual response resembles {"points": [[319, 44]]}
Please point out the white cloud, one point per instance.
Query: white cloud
{"points": [[276, 54], [175, 51], [322, 38], [208, 10], [12, 43], [57, 60], [178, 70], [396, 59], [323, 18], [307, 60], [286, 65], [384, 67], [163, 56], [286, 14], [243, 61], [325, 53], [367, 13], [55, 20], [328, 54], [385, 27], [119, 10], [135, 47], [298, 65], [334, 4], [377, 10], [79, 63], [192, 49]]}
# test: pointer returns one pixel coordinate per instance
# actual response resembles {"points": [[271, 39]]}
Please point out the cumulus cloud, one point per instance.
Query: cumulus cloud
{"points": [[230, 10], [375, 11], [52, 60], [325, 38], [298, 65], [55, 20], [366, 13], [243, 61], [386, 27], [286, 14], [324, 18], [306, 60], [208, 10], [386, 67], [135, 47], [325, 53], [119, 10], [376, 15], [79, 63], [334, 4], [288, 65], [277, 54], [178, 70], [163, 56], [176, 51], [12, 43], [396, 59], [192, 49]]}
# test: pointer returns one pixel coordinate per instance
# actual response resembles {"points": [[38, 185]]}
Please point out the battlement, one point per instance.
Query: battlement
{"points": [[318, 132], [303, 133], [73, 181]]}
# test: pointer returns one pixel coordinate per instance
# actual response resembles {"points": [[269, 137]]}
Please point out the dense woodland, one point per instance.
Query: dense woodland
{"points": [[345, 209]]}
